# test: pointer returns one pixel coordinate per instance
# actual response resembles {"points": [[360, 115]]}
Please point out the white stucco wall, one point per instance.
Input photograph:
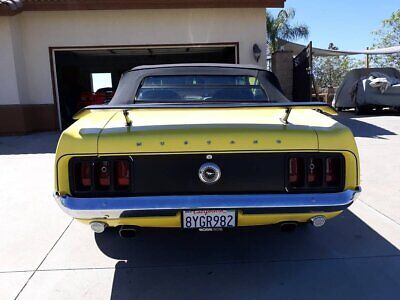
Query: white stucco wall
{"points": [[40, 30]]}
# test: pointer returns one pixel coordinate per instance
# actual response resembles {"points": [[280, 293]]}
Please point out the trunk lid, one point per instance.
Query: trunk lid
{"points": [[177, 130]]}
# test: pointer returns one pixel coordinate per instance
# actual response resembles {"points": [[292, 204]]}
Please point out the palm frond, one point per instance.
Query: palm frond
{"points": [[278, 27], [295, 32]]}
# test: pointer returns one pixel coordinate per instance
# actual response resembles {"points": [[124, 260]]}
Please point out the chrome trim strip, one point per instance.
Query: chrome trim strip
{"points": [[87, 208]]}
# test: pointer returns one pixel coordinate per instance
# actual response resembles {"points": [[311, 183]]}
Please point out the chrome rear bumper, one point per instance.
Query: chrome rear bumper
{"points": [[117, 207]]}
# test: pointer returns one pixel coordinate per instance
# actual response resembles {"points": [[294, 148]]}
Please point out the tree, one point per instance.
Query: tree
{"points": [[388, 36], [279, 27], [330, 71]]}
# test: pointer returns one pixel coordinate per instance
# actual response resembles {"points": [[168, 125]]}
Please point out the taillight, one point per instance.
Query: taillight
{"points": [[122, 173], [101, 175], [314, 172], [296, 171], [332, 171], [86, 174], [104, 174]]}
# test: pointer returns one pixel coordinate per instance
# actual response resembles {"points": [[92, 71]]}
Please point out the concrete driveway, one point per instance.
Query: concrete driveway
{"points": [[46, 255]]}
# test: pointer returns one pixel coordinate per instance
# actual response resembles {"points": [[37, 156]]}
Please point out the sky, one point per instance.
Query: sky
{"points": [[346, 23]]}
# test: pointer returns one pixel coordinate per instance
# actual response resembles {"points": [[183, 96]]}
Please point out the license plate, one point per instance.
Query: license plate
{"points": [[212, 218]]}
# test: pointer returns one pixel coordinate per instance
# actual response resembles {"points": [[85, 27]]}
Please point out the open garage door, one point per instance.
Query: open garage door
{"points": [[85, 76]]}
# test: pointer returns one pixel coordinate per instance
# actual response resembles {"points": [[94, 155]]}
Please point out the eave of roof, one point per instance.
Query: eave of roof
{"points": [[12, 7]]}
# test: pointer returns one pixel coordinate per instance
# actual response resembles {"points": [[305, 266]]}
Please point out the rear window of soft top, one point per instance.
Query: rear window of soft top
{"points": [[200, 88]]}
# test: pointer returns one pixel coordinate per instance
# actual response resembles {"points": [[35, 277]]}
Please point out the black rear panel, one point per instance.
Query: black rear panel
{"points": [[178, 174]]}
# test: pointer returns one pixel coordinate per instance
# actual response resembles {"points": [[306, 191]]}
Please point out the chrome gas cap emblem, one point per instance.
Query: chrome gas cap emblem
{"points": [[209, 173]]}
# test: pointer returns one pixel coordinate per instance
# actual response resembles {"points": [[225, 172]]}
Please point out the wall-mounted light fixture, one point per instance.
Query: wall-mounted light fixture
{"points": [[256, 52]]}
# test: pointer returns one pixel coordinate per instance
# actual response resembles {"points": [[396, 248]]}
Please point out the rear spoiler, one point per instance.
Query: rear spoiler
{"points": [[288, 106]]}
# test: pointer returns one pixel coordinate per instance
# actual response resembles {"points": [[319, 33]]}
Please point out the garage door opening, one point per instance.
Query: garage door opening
{"points": [[88, 76]]}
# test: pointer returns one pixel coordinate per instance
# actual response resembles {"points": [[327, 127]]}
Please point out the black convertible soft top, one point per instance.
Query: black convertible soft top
{"points": [[132, 79]]}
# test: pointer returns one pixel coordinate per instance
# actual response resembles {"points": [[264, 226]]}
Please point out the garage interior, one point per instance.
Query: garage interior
{"points": [[75, 69]]}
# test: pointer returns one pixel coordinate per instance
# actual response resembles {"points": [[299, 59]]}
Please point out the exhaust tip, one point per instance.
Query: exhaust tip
{"points": [[98, 227], [318, 221], [127, 232], [288, 226]]}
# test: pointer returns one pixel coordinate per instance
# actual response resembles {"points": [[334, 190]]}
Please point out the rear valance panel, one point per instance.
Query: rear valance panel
{"points": [[181, 174]]}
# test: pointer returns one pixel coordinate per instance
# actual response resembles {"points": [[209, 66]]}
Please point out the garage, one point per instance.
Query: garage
{"points": [[86, 76], [56, 55]]}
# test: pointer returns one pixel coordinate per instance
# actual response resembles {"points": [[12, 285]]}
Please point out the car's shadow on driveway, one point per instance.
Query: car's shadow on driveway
{"points": [[361, 128], [345, 259]]}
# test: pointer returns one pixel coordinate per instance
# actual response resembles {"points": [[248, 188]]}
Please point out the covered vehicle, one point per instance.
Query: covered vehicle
{"points": [[367, 88], [204, 146]]}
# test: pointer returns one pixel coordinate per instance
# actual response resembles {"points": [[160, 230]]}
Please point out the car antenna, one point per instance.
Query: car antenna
{"points": [[285, 118], [127, 119]]}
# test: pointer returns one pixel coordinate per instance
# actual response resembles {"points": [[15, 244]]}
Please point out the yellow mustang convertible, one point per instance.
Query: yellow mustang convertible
{"points": [[208, 147]]}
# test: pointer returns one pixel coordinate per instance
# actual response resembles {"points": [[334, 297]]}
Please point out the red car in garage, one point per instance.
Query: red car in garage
{"points": [[101, 96]]}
